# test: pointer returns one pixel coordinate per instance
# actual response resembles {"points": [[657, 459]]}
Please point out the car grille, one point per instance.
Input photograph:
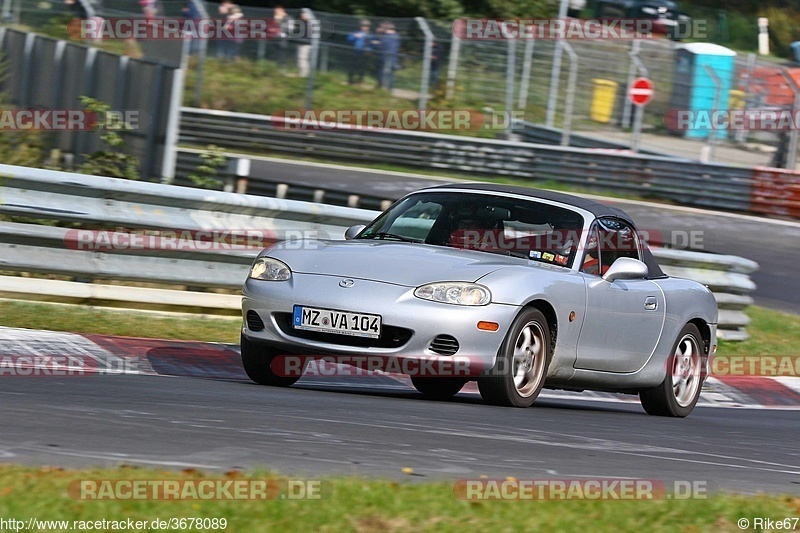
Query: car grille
{"points": [[391, 336], [444, 345], [254, 322]]}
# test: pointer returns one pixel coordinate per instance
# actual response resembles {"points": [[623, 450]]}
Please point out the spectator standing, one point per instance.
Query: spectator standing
{"points": [[191, 12], [232, 45], [282, 24], [436, 62], [376, 45], [361, 40], [224, 11], [304, 27], [390, 56]]}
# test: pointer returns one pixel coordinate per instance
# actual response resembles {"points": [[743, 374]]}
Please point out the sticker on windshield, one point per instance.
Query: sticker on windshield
{"points": [[535, 254], [547, 256]]}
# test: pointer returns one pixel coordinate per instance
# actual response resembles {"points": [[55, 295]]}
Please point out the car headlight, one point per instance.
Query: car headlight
{"points": [[454, 293], [269, 269]]}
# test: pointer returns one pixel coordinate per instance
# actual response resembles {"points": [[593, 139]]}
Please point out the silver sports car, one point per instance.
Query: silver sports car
{"points": [[514, 288]]}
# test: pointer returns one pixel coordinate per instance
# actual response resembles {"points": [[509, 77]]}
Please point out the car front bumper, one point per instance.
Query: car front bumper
{"points": [[403, 315]]}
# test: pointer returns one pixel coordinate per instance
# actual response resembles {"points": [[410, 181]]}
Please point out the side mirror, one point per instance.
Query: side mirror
{"points": [[352, 231], [626, 268]]}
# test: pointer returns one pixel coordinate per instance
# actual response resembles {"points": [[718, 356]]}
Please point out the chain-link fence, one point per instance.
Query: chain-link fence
{"points": [[352, 62]]}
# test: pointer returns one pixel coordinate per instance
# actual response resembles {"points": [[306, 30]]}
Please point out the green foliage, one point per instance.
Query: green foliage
{"points": [[439, 9], [112, 162], [57, 27], [204, 176], [522, 8], [23, 147], [784, 27]]}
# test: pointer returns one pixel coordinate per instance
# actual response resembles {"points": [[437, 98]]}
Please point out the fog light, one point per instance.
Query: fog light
{"points": [[488, 326]]}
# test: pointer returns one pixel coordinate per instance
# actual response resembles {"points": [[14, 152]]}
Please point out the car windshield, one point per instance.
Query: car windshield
{"points": [[482, 222]]}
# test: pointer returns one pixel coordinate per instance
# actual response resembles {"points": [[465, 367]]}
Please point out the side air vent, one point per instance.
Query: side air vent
{"points": [[254, 322], [444, 345]]}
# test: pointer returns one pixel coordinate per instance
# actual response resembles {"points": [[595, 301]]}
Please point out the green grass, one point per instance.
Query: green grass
{"points": [[352, 504], [79, 319], [772, 333]]}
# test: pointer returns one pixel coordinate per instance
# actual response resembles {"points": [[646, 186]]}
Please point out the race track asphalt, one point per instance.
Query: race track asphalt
{"points": [[320, 428]]}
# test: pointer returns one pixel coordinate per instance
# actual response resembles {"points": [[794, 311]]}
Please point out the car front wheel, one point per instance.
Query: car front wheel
{"points": [[678, 393], [257, 361], [521, 367]]}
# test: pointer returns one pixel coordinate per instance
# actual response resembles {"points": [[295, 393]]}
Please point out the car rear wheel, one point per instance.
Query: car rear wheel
{"points": [[438, 388], [257, 361], [678, 393], [521, 367]]}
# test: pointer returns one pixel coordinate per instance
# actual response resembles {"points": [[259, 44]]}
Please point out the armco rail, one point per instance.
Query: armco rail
{"points": [[111, 204], [539, 134], [679, 180]]}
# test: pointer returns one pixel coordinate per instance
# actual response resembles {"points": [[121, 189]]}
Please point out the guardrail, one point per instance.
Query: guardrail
{"points": [[683, 181], [188, 159], [117, 206], [539, 134]]}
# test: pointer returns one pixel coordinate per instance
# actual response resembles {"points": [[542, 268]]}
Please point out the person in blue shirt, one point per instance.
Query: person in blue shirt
{"points": [[191, 12], [389, 46], [361, 46]]}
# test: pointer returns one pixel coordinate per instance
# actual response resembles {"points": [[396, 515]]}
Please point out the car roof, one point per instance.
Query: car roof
{"points": [[596, 208]]}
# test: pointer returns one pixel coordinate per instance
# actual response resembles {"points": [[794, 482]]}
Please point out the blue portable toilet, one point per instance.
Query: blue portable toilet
{"points": [[795, 47], [693, 87]]}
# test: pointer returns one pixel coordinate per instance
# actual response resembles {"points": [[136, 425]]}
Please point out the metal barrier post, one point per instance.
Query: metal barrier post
{"points": [[566, 128], [555, 73], [791, 157], [170, 159], [741, 135], [636, 138], [524, 84], [511, 64], [426, 63], [6, 16], [88, 8], [203, 53], [452, 66], [712, 135], [636, 46], [313, 23]]}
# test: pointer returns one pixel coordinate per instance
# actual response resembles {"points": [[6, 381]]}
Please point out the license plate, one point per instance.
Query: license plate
{"points": [[340, 322]]}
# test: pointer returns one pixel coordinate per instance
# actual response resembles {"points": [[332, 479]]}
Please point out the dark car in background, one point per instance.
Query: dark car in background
{"points": [[666, 14]]}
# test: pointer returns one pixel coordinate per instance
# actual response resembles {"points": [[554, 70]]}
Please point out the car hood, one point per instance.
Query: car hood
{"points": [[393, 262]]}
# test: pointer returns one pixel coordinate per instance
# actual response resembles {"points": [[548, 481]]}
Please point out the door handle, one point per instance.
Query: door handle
{"points": [[650, 303]]}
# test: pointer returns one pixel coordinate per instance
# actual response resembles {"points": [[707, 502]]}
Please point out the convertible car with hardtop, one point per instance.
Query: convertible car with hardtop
{"points": [[535, 289]]}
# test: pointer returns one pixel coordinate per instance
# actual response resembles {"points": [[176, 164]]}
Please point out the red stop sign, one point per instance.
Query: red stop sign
{"points": [[641, 91]]}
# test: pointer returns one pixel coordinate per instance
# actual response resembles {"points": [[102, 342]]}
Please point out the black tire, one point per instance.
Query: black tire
{"points": [[438, 388], [257, 362], [499, 386], [678, 399]]}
